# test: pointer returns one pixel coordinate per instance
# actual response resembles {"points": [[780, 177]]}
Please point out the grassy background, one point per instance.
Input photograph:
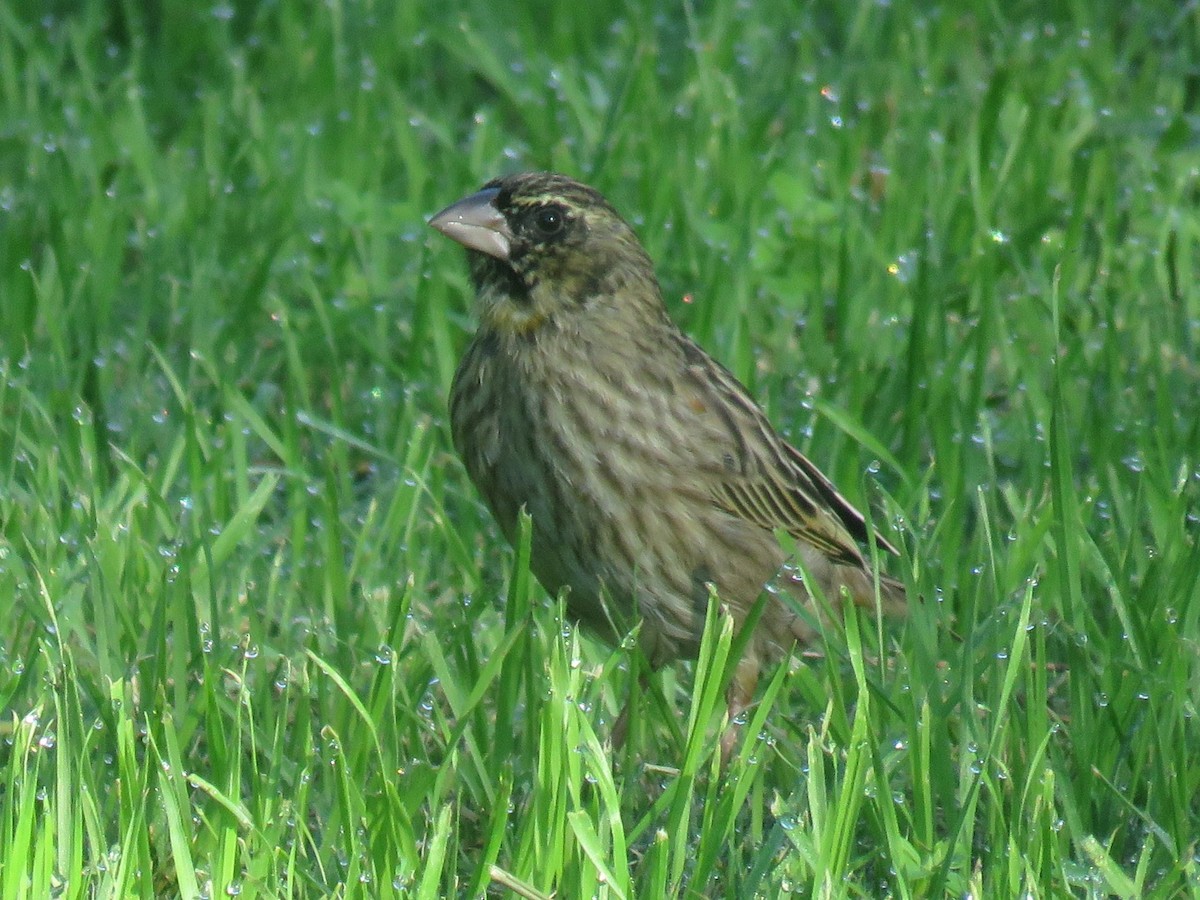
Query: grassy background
{"points": [[260, 638]]}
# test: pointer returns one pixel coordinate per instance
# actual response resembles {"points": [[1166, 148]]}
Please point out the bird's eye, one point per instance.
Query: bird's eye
{"points": [[548, 221]]}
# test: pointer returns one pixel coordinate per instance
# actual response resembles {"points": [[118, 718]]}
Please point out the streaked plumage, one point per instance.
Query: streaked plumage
{"points": [[646, 468]]}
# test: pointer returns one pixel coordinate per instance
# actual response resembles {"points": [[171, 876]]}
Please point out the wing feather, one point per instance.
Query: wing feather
{"points": [[769, 482]]}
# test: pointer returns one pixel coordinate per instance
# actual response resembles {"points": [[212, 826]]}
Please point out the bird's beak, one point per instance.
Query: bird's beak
{"points": [[476, 224]]}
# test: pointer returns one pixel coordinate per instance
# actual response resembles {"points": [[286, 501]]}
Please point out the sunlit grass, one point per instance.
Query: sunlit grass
{"points": [[260, 636]]}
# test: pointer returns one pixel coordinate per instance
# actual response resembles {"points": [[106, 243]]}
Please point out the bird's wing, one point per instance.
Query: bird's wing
{"points": [[756, 475]]}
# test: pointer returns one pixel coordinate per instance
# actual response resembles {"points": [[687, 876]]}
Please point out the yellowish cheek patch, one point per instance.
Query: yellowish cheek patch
{"points": [[513, 319]]}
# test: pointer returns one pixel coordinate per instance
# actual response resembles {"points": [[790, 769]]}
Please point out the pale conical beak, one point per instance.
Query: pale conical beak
{"points": [[476, 223]]}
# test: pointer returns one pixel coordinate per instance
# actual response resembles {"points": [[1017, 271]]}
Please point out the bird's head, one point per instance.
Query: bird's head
{"points": [[543, 248]]}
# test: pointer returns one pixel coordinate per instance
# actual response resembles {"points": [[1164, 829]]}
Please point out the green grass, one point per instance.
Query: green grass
{"points": [[259, 636]]}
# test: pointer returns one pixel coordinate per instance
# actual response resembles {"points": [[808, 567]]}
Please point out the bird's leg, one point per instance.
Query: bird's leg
{"points": [[621, 726], [737, 700]]}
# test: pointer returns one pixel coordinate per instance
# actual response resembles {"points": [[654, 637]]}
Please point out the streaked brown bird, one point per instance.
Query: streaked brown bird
{"points": [[647, 470]]}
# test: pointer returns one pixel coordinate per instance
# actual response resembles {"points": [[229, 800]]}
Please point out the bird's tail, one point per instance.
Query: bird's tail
{"points": [[836, 581], [893, 599]]}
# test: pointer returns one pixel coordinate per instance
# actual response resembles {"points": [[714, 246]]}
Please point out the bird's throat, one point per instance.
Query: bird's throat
{"points": [[512, 318]]}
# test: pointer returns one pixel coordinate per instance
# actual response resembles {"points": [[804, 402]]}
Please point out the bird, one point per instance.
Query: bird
{"points": [[651, 477]]}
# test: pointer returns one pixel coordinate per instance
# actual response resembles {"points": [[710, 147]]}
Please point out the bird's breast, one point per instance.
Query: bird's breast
{"points": [[595, 455]]}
